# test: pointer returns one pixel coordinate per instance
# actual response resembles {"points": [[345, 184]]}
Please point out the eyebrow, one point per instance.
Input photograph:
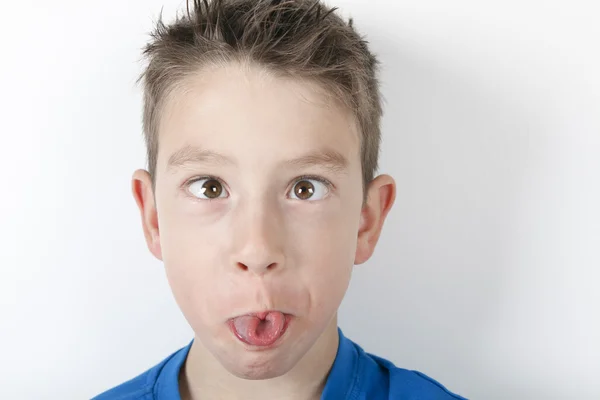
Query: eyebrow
{"points": [[189, 154], [326, 158]]}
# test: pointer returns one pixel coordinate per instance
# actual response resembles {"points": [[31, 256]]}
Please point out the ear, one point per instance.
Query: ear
{"points": [[381, 194], [141, 185]]}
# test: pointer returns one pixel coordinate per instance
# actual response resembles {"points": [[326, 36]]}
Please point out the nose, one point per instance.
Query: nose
{"points": [[258, 238]]}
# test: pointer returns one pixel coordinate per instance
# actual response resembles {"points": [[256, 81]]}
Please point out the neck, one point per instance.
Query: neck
{"points": [[202, 377]]}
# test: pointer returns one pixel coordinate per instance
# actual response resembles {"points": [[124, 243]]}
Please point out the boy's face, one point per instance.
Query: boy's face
{"points": [[258, 208]]}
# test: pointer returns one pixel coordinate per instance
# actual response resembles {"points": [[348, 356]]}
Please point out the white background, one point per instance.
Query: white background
{"points": [[486, 276]]}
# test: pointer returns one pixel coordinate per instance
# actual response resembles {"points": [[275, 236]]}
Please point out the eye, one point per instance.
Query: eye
{"points": [[309, 189], [207, 188]]}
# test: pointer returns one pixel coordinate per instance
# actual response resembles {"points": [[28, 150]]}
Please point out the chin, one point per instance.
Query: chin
{"points": [[260, 366]]}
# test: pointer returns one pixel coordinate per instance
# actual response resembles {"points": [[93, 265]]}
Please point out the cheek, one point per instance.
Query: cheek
{"points": [[190, 248], [324, 246], [327, 232]]}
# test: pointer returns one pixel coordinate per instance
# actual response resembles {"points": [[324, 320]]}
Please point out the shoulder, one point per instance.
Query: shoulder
{"points": [[418, 386], [407, 384], [140, 387]]}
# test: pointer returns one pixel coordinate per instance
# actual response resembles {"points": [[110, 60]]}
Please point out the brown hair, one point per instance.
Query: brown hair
{"points": [[303, 39]]}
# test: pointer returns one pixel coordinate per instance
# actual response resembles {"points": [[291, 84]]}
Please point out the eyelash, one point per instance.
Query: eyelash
{"points": [[330, 186]]}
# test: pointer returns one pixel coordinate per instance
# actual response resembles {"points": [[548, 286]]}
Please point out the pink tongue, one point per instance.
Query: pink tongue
{"points": [[257, 331]]}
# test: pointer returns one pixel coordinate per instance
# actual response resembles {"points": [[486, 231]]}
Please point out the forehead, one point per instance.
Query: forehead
{"points": [[247, 113]]}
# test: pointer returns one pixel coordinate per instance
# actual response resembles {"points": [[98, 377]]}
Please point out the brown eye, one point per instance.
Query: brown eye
{"points": [[310, 189], [207, 188], [304, 190]]}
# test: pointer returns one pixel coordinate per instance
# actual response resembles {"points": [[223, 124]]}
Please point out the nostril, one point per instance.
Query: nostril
{"points": [[244, 267]]}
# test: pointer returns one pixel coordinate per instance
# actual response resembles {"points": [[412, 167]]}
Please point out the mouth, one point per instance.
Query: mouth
{"points": [[260, 330]]}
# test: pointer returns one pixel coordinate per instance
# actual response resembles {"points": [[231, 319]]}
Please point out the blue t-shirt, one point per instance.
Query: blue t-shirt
{"points": [[354, 375]]}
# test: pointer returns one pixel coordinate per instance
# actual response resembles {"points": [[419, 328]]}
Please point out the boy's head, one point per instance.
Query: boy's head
{"points": [[261, 121]]}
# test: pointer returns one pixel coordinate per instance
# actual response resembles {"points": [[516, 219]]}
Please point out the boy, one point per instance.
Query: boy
{"points": [[261, 121]]}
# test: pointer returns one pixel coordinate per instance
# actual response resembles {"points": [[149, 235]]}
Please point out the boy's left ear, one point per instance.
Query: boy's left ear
{"points": [[381, 194]]}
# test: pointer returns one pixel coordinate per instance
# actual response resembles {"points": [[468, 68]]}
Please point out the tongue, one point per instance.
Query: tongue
{"points": [[260, 330]]}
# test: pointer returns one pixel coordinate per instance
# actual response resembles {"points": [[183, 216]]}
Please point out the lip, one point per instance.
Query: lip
{"points": [[276, 343]]}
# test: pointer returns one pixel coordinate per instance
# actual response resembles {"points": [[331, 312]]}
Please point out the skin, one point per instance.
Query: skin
{"points": [[259, 245]]}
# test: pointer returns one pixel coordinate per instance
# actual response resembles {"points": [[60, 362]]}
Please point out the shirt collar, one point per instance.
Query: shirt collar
{"points": [[342, 376], [167, 382]]}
